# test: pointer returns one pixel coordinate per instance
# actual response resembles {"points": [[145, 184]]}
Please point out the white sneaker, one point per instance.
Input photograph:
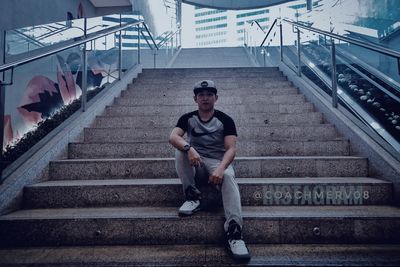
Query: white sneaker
{"points": [[239, 250], [236, 245], [189, 207]]}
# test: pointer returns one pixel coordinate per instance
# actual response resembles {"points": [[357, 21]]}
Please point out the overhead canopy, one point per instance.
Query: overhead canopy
{"points": [[235, 4], [107, 3]]}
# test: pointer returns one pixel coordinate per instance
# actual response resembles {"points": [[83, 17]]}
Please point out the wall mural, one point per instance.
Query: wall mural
{"points": [[43, 87]]}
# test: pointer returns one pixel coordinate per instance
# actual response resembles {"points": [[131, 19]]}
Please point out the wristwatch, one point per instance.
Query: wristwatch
{"points": [[186, 148]]}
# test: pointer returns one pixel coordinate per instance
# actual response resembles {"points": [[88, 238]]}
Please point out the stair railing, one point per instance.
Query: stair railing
{"points": [[66, 69]]}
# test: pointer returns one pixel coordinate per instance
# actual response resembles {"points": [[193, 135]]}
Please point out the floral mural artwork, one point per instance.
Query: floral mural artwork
{"points": [[44, 96]]}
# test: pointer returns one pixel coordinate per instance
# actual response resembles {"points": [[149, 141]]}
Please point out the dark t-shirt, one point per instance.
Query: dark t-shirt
{"points": [[207, 137]]}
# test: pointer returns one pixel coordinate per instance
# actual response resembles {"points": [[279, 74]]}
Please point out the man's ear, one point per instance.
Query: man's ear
{"points": [[195, 98], [216, 97]]}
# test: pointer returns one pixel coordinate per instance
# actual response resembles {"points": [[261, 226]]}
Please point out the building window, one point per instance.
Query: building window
{"points": [[210, 20], [212, 27], [253, 13], [209, 12]]}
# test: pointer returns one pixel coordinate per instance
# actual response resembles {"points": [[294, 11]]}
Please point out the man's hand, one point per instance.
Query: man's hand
{"points": [[217, 176], [194, 158]]}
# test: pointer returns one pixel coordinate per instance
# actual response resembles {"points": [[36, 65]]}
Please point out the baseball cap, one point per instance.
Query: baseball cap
{"points": [[204, 85]]}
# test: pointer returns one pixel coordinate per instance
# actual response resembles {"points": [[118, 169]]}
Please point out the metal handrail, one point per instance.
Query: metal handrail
{"points": [[269, 31], [370, 46], [151, 37], [84, 40], [258, 24], [167, 38]]}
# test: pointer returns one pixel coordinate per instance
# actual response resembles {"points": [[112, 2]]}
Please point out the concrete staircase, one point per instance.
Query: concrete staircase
{"points": [[306, 200]]}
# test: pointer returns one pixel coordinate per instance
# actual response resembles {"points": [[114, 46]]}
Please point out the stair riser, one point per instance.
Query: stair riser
{"points": [[260, 99], [252, 149], [220, 82], [202, 71], [316, 132], [195, 230], [140, 93], [176, 111], [209, 76], [256, 119], [172, 195], [273, 167], [223, 85]]}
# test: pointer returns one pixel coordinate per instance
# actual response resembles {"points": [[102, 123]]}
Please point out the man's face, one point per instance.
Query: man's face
{"points": [[205, 100]]}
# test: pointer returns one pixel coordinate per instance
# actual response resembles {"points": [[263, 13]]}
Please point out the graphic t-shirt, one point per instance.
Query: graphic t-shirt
{"points": [[207, 137]]}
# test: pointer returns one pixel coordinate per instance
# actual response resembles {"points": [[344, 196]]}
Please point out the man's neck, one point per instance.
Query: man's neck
{"points": [[206, 115]]}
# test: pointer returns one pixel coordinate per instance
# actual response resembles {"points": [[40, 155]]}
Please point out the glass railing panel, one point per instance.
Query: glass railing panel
{"points": [[385, 65], [31, 38], [316, 62], [374, 89], [103, 62], [44, 93], [289, 46], [129, 40], [362, 89]]}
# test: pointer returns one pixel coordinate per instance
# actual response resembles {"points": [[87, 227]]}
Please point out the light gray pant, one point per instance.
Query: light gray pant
{"points": [[229, 189]]}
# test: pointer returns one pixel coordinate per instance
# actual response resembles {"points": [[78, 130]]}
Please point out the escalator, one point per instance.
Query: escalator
{"points": [[368, 88]]}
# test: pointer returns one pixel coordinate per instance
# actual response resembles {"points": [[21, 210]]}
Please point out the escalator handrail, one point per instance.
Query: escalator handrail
{"points": [[370, 46], [269, 31]]}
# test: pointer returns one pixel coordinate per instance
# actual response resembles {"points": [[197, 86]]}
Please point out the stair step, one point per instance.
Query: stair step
{"points": [[232, 109], [245, 148], [204, 255], [255, 119], [281, 132], [226, 84], [174, 101], [210, 75], [228, 79], [168, 192], [138, 92], [263, 167], [156, 225]]}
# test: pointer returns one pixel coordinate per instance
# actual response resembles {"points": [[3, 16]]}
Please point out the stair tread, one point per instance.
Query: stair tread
{"points": [[261, 212], [241, 141], [239, 127], [176, 181], [237, 158], [207, 255]]}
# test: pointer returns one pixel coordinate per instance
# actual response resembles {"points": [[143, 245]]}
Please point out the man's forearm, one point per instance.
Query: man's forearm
{"points": [[178, 142], [229, 156]]}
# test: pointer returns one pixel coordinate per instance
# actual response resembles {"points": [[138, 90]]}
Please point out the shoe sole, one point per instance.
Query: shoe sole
{"points": [[238, 258], [183, 214]]}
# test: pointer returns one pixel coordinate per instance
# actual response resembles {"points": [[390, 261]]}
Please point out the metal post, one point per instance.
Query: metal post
{"points": [[298, 53], [334, 82], [120, 56], [2, 109], [398, 66], [172, 46], [154, 57], [120, 49], [2, 105], [3, 43], [138, 43], [84, 71], [264, 56], [281, 40]]}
